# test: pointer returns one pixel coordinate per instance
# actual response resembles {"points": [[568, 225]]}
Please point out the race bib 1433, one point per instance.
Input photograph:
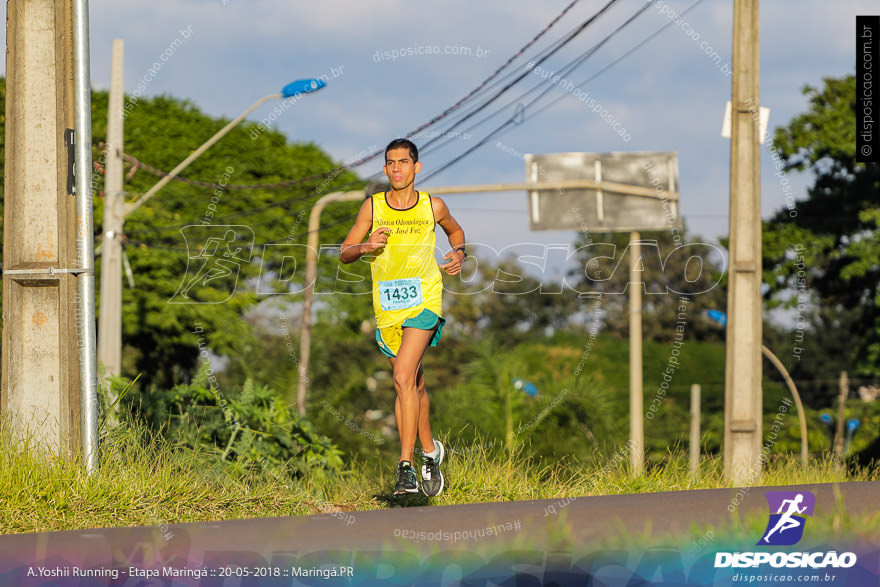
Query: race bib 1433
{"points": [[399, 294]]}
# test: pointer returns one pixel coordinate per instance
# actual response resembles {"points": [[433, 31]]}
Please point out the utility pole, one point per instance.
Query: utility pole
{"points": [[636, 399], [694, 444], [742, 391], [110, 318], [841, 414], [40, 396]]}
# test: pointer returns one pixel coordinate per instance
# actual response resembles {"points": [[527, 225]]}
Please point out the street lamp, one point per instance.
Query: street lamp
{"points": [[720, 318], [116, 210], [828, 421], [291, 90], [525, 386], [717, 316], [851, 425]]}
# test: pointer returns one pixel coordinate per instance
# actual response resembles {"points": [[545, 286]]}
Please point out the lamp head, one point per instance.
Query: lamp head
{"points": [[717, 316], [302, 86]]}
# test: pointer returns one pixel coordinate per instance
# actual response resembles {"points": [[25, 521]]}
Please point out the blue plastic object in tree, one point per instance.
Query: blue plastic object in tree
{"points": [[525, 386], [851, 426], [302, 86], [826, 419], [717, 316]]}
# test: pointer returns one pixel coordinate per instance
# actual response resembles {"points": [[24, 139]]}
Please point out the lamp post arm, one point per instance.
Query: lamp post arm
{"points": [[195, 154], [797, 400], [305, 333]]}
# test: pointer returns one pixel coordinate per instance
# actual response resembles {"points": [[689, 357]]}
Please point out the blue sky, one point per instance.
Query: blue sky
{"points": [[667, 96]]}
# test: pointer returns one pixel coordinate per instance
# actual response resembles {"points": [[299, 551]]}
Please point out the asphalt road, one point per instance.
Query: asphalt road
{"points": [[418, 532]]}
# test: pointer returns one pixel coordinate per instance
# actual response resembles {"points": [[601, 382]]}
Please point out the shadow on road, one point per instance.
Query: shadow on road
{"points": [[402, 501]]}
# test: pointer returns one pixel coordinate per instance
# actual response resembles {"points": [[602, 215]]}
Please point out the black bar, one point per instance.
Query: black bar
{"points": [[867, 93], [70, 141]]}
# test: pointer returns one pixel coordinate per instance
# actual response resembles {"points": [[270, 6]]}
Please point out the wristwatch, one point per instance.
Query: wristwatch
{"points": [[462, 249]]}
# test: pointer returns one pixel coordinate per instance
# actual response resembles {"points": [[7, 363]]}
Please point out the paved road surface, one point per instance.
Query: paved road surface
{"points": [[524, 524]]}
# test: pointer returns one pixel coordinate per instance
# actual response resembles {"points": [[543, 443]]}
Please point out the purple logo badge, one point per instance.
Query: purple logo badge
{"points": [[788, 511]]}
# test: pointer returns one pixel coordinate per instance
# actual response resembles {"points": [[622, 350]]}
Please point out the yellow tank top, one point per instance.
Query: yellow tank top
{"points": [[406, 278]]}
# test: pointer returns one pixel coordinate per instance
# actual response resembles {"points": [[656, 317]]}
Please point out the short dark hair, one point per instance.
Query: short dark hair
{"points": [[403, 144]]}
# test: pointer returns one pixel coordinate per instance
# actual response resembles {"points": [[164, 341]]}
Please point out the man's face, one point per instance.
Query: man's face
{"points": [[400, 169]]}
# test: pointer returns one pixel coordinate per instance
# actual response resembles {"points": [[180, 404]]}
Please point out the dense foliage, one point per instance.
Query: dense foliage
{"points": [[169, 238], [251, 429], [822, 254]]}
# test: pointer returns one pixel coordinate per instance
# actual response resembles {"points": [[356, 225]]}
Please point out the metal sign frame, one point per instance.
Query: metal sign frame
{"points": [[634, 191]]}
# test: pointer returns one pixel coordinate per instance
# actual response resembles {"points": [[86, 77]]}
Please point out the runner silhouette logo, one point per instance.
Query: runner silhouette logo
{"points": [[786, 525], [215, 256]]}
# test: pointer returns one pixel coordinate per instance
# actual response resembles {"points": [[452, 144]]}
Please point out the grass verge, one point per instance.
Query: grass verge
{"points": [[143, 480]]}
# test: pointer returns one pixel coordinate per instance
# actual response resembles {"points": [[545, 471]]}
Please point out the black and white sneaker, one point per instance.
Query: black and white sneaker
{"points": [[406, 479], [432, 477]]}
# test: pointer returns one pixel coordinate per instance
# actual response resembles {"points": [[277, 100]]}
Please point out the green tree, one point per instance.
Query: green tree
{"points": [[822, 254], [500, 299], [168, 239], [673, 269]]}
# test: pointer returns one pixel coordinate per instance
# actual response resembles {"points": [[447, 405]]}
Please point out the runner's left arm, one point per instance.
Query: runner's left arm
{"points": [[454, 233]]}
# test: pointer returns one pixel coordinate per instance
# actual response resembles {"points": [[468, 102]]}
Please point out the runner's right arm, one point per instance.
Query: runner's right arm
{"points": [[353, 247]]}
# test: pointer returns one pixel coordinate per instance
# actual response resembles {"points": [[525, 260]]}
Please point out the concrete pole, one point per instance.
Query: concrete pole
{"points": [[742, 390], [694, 444], [40, 393], [636, 400], [110, 318], [841, 414]]}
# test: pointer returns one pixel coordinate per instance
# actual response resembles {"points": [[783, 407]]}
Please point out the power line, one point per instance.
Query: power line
{"points": [[209, 185], [578, 86], [622, 57], [501, 82], [559, 45], [288, 239], [174, 227], [566, 68], [482, 84], [555, 47], [519, 114], [357, 163]]}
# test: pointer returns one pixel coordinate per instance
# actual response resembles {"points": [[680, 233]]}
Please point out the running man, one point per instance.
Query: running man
{"points": [[407, 291], [786, 520]]}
